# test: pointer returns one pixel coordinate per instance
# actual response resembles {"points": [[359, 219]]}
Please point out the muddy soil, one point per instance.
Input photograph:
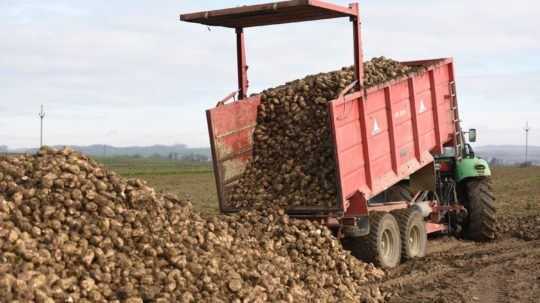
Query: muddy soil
{"points": [[506, 270]]}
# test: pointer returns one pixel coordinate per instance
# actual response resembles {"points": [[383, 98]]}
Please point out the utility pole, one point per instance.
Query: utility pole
{"points": [[41, 116], [527, 130]]}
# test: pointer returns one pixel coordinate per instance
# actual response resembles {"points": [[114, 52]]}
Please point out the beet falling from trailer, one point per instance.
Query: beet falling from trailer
{"points": [[293, 161]]}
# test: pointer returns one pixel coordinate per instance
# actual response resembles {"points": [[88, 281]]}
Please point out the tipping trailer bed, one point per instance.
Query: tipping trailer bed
{"points": [[381, 135], [380, 138]]}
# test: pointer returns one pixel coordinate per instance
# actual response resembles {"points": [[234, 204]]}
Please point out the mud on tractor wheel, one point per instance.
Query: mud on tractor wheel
{"points": [[480, 203], [382, 246]]}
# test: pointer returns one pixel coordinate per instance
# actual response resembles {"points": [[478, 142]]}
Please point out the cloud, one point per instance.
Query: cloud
{"points": [[23, 12], [131, 66]]}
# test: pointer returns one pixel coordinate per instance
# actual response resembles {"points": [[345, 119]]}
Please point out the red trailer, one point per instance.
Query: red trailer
{"points": [[397, 145]]}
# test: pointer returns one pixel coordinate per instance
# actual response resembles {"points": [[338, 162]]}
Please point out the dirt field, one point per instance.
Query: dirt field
{"points": [[507, 270]]}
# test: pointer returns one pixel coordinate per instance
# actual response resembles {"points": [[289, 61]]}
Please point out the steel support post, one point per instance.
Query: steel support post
{"points": [[242, 65], [358, 52]]}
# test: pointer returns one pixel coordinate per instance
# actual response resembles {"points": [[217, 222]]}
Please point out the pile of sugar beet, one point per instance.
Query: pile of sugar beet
{"points": [[73, 231], [293, 163]]}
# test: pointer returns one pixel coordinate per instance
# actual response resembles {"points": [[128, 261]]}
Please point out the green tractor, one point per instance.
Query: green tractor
{"points": [[471, 176]]}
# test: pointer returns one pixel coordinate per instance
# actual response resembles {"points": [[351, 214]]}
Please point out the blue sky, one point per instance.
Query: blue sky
{"points": [[129, 73]]}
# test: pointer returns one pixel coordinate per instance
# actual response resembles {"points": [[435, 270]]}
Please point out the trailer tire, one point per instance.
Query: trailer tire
{"points": [[382, 246], [413, 233], [480, 203]]}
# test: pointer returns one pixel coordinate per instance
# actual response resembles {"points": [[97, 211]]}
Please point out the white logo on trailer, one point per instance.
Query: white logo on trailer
{"points": [[423, 107], [376, 127]]}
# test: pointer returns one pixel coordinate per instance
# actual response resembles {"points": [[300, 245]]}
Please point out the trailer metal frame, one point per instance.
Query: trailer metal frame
{"points": [[279, 13]]}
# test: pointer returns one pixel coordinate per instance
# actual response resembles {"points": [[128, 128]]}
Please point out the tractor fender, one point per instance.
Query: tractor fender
{"points": [[472, 167]]}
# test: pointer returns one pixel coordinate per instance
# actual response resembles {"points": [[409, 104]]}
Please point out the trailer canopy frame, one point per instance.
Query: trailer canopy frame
{"points": [[279, 13]]}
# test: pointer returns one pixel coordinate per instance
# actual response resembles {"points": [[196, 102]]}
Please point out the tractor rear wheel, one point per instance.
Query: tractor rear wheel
{"points": [[382, 246], [413, 233], [480, 203]]}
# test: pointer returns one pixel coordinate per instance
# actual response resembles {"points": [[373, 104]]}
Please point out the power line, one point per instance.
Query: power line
{"points": [[527, 130], [41, 116]]}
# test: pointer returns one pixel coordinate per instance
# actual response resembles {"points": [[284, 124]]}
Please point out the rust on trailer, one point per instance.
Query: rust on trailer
{"points": [[231, 129], [270, 14]]}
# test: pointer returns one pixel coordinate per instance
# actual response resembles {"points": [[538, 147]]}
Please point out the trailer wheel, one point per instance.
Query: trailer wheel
{"points": [[413, 233], [480, 203], [382, 246]]}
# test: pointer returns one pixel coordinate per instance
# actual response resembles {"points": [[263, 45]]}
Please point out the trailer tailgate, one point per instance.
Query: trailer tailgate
{"points": [[231, 129]]}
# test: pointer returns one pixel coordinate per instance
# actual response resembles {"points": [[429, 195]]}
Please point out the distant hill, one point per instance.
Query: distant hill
{"points": [[509, 154], [505, 154], [180, 150]]}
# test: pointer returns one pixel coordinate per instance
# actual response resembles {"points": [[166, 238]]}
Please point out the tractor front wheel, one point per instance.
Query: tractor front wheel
{"points": [[480, 203]]}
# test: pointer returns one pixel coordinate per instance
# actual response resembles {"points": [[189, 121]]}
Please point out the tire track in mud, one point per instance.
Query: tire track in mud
{"points": [[521, 279], [446, 260], [464, 272]]}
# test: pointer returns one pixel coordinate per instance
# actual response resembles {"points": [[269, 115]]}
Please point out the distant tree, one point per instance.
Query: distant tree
{"points": [[173, 156], [496, 162], [156, 156], [525, 164], [3, 149], [195, 158]]}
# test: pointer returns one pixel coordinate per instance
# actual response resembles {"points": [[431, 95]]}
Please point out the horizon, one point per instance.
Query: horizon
{"points": [[502, 154], [204, 147], [128, 77]]}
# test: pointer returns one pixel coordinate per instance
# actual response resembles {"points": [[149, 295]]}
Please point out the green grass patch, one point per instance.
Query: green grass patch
{"points": [[190, 180]]}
